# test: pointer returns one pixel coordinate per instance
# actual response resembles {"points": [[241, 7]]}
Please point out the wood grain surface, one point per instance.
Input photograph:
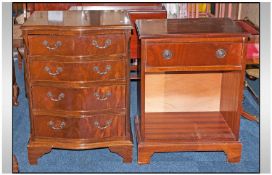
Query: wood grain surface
{"points": [[182, 92], [192, 73], [77, 82]]}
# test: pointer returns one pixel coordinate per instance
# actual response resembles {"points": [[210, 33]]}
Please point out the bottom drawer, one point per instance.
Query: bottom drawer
{"points": [[90, 127]]}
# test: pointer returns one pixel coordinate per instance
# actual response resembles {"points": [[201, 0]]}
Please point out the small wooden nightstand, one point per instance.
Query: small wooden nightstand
{"points": [[192, 74]]}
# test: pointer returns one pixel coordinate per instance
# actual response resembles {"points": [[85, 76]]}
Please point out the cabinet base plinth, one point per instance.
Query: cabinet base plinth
{"points": [[39, 147], [146, 148]]}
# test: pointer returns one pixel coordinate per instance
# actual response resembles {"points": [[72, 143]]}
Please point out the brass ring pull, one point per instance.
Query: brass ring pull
{"points": [[220, 53], [60, 97], [108, 123], [56, 45], [167, 54], [102, 97], [48, 70], [106, 45], [53, 125], [107, 69]]}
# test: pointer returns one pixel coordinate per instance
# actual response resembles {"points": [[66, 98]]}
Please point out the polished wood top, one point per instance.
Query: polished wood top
{"points": [[79, 19], [156, 28]]}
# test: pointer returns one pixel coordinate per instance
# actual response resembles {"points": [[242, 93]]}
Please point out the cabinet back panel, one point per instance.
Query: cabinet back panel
{"points": [[195, 92]]}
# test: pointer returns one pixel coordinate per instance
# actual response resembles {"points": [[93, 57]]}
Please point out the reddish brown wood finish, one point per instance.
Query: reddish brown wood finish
{"points": [[230, 107], [187, 127], [78, 46], [15, 167], [195, 27], [125, 152], [95, 127], [35, 152], [147, 148], [79, 91], [83, 71], [78, 99], [15, 87], [193, 44], [200, 54], [135, 46], [135, 11], [249, 116]]}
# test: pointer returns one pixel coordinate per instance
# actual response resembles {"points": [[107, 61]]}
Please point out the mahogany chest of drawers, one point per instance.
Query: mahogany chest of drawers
{"points": [[77, 81], [192, 73]]}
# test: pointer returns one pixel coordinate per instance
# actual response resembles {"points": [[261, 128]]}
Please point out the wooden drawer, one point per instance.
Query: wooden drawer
{"points": [[95, 45], [78, 71], [194, 54], [50, 45], [78, 99], [90, 127], [98, 45]]}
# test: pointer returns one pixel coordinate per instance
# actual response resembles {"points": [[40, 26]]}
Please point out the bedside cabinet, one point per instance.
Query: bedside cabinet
{"points": [[192, 74], [77, 79]]}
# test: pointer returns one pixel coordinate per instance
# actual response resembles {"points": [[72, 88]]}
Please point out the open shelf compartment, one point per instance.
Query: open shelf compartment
{"points": [[192, 107]]}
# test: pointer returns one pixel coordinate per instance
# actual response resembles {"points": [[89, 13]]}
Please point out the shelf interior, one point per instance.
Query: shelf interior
{"points": [[187, 127]]}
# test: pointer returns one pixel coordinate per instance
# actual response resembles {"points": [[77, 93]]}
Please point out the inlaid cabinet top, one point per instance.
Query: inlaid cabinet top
{"points": [[195, 27], [79, 19]]}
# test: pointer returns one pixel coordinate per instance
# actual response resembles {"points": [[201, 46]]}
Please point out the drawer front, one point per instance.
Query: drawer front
{"points": [[93, 45], [78, 99], [85, 71], [89, 127], [194, 54], [97, 45], [50, 45]]}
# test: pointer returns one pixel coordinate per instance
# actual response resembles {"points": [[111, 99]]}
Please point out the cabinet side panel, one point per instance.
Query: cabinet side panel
{"points": [[230, 99]]}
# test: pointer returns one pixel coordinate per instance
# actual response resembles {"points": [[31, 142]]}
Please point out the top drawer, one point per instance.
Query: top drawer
{"points": [[88, 45], [193, 54]]}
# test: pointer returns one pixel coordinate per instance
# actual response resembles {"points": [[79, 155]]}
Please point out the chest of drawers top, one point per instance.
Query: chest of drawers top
{"points": [[76, 20], [209, 27]]}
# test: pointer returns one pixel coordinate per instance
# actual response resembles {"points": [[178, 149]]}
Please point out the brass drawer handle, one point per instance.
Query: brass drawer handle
{"points": [[56, 45], [107, 69], [167, 54], [55, 127], [58, 71], [102, 97], [108, 123], [60, 97], [106, 45], [220, 53]]}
